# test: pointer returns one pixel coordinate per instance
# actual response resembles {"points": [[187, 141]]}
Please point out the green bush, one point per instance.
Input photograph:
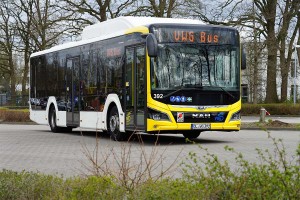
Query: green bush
{"points": [[92, 188], [273, 178], [28, 185], [273, 109]]}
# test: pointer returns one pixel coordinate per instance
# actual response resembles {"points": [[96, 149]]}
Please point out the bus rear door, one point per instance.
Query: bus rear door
{"points": [[72, 91]]}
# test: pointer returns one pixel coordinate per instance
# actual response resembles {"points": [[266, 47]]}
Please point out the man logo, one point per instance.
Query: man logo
{"points": [[198, 115]]}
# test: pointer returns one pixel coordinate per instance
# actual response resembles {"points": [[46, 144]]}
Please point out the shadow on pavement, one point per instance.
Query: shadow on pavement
{"points": [[146, 139]]}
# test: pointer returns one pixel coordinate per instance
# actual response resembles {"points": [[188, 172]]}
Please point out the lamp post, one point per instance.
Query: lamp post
{"points": [[295, 74]]}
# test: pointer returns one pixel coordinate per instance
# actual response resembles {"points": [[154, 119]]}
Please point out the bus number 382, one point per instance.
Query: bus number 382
{"points": [[158, 96]]}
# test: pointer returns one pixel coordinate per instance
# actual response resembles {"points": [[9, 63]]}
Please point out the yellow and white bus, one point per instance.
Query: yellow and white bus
{"points": [[152, 75]]}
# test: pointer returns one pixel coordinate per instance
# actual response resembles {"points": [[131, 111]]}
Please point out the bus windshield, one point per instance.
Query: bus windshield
{"points": [[203, 66]]}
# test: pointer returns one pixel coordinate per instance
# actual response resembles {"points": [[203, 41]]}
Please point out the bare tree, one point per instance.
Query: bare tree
{"points": [[7, 45], [160, 8], [289, 12], [48, 24], [90, 12], [273, 19], [23, 14], [98, 11]]}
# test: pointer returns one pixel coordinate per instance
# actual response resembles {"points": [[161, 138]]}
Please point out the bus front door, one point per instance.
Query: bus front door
{"points": [[72, 92], [135, 83]]}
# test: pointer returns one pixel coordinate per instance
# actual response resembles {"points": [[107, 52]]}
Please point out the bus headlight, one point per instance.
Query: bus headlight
{"points": [[157, 115], [236, 116]]}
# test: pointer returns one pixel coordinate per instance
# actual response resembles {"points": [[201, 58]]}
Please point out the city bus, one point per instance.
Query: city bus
{"points": [[141, 74]]}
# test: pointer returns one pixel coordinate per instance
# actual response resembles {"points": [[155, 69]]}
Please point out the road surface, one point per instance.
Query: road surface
{"points": [[35, 148]]}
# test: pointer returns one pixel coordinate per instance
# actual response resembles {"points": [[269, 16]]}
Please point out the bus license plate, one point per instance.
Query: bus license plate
{"points": [[201, 126]]}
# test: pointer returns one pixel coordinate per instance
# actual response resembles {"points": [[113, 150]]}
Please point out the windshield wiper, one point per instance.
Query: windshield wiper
{"points": [[224, 91]]}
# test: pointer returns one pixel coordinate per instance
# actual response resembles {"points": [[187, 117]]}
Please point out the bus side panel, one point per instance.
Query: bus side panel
{"points": [[61, 118], [92, 120], [98, 120], [39, 117]]}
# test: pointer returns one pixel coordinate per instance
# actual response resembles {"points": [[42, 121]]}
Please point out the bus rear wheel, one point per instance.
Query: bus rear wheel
{"points": [[52, 120], [191, 134], [113, 125]]}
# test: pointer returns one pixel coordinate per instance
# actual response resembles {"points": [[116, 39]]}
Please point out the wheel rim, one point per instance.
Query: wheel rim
{"points": [[114, 123]]}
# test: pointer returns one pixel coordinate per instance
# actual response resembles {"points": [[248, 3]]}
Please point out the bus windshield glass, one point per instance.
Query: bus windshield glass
{"points": [[203, 66]]}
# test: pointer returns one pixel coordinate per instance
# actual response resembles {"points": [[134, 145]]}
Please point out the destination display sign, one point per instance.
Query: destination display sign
{"points": [[200, 34]]}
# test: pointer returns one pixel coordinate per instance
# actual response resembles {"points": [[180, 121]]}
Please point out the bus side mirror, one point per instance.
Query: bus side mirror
{"points": [[151, 44], [244, 62]]}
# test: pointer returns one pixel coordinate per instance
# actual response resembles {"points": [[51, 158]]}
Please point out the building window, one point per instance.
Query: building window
{"points": [[293, 68], [292, 91]]}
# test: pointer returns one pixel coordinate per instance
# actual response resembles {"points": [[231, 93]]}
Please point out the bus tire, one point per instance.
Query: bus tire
{"points": [[113, 125], [191, 134], [52, 120]]}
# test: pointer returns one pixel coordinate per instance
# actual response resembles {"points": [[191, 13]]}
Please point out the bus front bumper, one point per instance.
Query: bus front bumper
{"points": [[165, 126]]}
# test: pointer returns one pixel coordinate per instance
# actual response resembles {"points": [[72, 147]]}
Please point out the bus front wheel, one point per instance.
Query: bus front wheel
{"points": [[113, 125]]}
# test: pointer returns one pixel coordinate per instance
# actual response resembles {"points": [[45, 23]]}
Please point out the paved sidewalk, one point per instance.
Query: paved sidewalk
{"points": [[294, 119]]}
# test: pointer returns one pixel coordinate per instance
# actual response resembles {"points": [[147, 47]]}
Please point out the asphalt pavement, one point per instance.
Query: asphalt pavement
{"points": [[36, 148]]}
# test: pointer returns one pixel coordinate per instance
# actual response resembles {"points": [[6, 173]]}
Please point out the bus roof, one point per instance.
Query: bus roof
{"points": [[113, 28]]}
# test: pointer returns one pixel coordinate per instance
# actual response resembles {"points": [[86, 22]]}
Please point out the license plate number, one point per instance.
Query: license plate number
{"points": [[201, 126]]}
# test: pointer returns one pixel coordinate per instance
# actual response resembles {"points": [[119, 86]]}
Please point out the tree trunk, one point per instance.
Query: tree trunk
{"points": [[284, 70], [25, 78], [270, 15], [271, 92], [12, 81]]}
